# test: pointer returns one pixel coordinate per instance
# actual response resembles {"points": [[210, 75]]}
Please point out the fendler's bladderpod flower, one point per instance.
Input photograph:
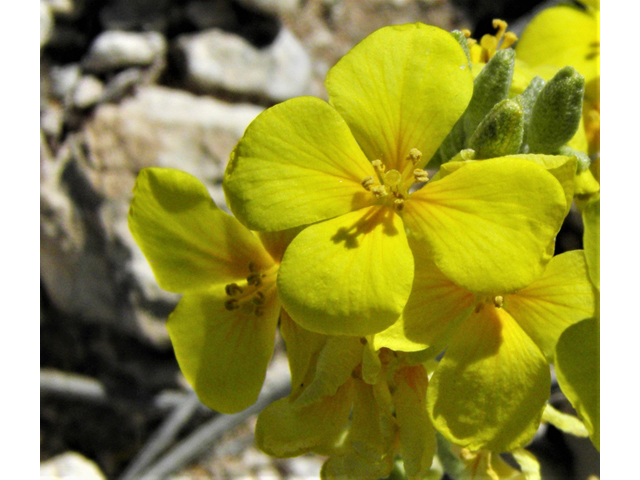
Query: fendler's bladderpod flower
{"points": [[490, 388], [347, 167], [223, 329], [358, 407]]}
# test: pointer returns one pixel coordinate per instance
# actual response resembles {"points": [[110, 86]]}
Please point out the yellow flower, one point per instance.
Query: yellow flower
{"points": [[223, 328], [490, 388], [357, 407], [348, 169]]}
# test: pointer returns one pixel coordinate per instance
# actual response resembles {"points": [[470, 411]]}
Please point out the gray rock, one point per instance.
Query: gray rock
{"points": [[70, 466], [113, 50], [90, 264], [88, 92], [220, 60]]}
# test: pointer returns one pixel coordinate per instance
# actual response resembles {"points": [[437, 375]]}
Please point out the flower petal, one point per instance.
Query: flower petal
{"points": [[335, 363], [591, 220], [578, 371], [563, 35], [223, 354], [491, 386], [561, 297], [350, 275], [368, 449], [417, 435], [435, 308], [285, 431], [402, 87], [489, 223], [189, 242], [297, 164], [303, 348]]}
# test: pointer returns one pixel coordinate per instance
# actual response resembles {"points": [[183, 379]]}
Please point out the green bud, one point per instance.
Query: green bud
{"points": [[526, 100], [556, 113], [490, 87], [500, 133], [584, 162], [462, 40]]}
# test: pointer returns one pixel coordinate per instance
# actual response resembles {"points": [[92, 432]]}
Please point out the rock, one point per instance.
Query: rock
{"points": [[145, 15], [61, 7], [90, 265], [46, 23], [70, 466], [114, 50], [52, 119], [274, 7], [64, 80], [219, 60], [205, 14], [88, 92]]}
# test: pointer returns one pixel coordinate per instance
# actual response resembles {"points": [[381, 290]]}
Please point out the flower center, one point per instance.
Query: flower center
{"points": [[251, 296], [490, 44], [495, 300], [393, 185]]}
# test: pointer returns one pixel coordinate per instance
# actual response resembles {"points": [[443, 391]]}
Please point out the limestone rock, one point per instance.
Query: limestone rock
{"points": [[70, 466], [114, 50], [219, 60]]}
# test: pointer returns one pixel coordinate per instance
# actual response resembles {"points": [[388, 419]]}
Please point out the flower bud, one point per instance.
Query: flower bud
{"points": [[500, 133]]}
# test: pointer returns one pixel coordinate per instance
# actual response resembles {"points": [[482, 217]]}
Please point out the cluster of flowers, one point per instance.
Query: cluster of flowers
{"points": [[415, 213]]}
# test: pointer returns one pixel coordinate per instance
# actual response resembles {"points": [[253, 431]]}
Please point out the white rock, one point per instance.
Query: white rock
{"points": [[46, 23], [64, 79], [113, 50], [70, 466], [216, 59], [88, 92], [61, 7], [275, 7]]}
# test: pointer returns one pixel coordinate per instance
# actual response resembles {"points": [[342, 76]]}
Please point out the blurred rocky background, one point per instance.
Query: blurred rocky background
{"points": [[128, 84]]}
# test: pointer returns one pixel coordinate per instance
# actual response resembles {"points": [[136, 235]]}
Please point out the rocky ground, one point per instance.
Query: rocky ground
{"points": [[127, 84]]}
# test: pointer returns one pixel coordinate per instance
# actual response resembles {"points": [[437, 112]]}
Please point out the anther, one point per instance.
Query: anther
{"points": [[258, 298], [509, 39], [379, 191], [398, 204], [367, 182], [466, 32], [498, 301], [501, 26], [421, 175], [231, 304], [233, 289], [414, 155], [378, 165], [255, 279]]}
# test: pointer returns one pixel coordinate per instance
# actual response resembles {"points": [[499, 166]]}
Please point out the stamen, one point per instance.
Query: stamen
{"points": [[501, 25], [398, 204], [379, 166], [421, 175], [233, 289], [379, 191], [466, 32], [367, 182], [255, 279], [509, 39], [259, 298], [414, 155], [498, 301], [231, 304]]}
